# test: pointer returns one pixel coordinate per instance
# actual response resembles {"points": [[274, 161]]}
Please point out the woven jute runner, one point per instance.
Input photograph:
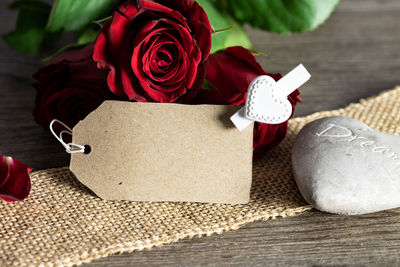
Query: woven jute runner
{"points": [[63, 223]]}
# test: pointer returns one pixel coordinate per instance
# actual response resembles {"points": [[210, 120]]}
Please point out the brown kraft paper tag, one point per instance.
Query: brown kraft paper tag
{"points": [[164, 152]]}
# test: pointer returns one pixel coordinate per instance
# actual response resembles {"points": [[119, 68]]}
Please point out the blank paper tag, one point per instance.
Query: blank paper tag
{"points": [[164, 152]]}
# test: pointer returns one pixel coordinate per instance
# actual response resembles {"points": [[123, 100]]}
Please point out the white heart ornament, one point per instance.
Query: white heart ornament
{"points": [[265, 102]]}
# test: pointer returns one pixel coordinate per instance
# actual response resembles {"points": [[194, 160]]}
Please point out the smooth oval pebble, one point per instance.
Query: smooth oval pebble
{"points": [[343, 166]]}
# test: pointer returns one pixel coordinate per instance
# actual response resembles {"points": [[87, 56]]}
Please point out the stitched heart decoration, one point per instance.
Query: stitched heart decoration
{"points": [[265, 102]]}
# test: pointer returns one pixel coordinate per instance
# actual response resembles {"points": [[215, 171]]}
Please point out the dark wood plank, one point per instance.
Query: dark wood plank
{"points": [[354, 55], [313, 238]]}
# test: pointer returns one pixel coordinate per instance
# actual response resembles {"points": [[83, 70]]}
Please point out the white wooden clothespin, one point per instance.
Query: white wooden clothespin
{"points": [[267, 101]]}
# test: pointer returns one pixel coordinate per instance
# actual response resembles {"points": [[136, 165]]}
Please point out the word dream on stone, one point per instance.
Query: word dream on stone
{"points": [[343, 166]]}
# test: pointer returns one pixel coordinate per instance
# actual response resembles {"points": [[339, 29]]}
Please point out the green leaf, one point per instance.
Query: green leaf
{"points": [[86, 36], [29, 33], [282, 16], [101, 22], [234, 35], [207, 86], [74, 15]]}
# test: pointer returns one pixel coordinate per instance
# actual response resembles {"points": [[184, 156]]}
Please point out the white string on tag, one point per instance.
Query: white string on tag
{"points": [[267, 101], [69, 147]]}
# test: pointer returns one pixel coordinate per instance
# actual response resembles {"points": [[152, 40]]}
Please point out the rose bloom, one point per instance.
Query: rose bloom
{"points": [[69, 88], [155, 50], [230, 72], [15, 182]]}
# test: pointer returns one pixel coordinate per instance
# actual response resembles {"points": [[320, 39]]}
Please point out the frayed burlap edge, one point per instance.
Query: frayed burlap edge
{"points": [[129, 247]]}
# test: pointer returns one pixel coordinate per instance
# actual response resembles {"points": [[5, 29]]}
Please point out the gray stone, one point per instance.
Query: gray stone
{"points": [[343, 166]]}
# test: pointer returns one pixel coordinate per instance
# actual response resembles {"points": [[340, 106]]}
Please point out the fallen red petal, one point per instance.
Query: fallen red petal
{"points": [[15, 182]]}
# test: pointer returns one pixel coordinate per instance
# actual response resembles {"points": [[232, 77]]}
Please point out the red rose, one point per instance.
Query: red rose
{"points": [[15, 182], [230, 72], [155, 50], [69, 88]]}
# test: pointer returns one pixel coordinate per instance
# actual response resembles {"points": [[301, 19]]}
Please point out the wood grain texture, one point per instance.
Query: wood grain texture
{"points": [[356, 54]]}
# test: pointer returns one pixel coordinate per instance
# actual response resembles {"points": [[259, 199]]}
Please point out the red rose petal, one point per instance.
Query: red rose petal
{"points": [[192, 71], [244, 55], [163, 61], [146, 32], [109, 48], [201, 74], [99, 51], [154, 6], [151, 55], [174, 75], [186, 40], [162, 92], [201, 26], [163, 58], [15, 183]]}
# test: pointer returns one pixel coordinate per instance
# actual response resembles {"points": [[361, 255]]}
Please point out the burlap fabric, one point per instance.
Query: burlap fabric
{"points": [[63, 223]]}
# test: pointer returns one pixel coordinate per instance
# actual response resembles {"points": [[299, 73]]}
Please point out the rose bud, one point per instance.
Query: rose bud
{"points": [[155, 50], [230, 72], [15, 182], [69, 88]]}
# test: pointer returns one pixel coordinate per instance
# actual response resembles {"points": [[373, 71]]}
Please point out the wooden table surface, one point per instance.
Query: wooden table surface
{"points": [[354, 55]]}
